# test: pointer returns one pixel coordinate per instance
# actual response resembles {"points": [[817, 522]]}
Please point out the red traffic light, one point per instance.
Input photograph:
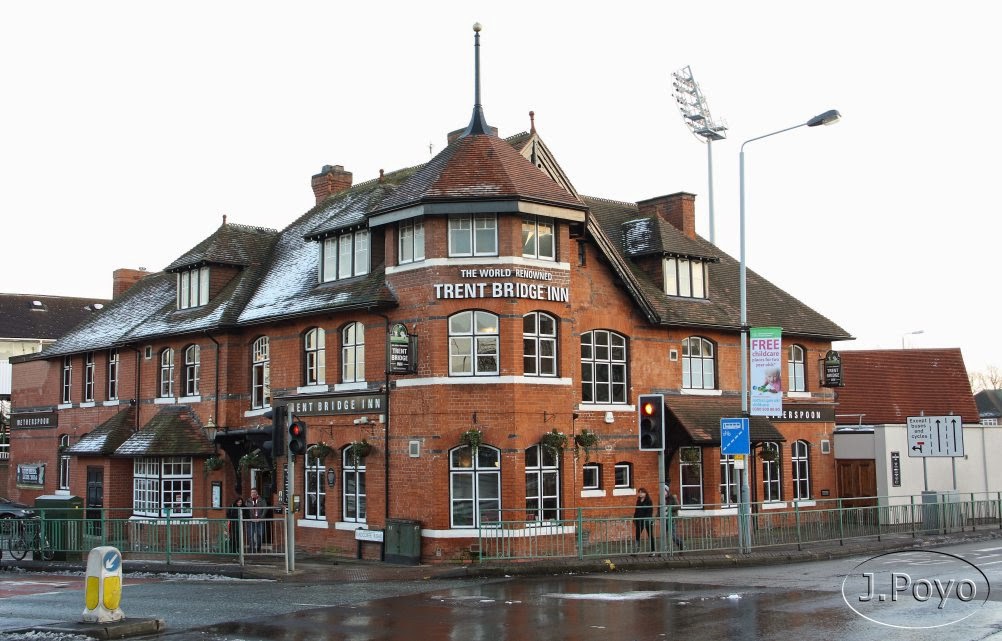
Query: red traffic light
{"points": [[647, 409], [296, 429]]}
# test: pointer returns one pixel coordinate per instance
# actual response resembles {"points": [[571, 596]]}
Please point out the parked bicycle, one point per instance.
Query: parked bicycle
{"points": [[30, 537]]}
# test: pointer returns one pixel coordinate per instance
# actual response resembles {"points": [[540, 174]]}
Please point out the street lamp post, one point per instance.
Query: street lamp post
{"points": [[827, 118], [917, 331]]}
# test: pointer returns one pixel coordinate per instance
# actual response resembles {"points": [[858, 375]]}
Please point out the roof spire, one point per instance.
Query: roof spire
{"points": [[532, 122], [478, 125]]}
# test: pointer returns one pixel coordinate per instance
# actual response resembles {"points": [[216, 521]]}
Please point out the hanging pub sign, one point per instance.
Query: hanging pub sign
{"points": [[831, 369], [401, 351]]}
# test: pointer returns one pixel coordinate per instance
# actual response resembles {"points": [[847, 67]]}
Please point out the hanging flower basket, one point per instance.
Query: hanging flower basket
{"points": [[586, 440], [690, 455], [252, 460], [472, 439], [769, 454], [358, 450], [319, 452], [554, 440], [214, 463]]}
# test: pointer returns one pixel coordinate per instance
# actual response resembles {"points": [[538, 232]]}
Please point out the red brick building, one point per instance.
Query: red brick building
{"points": [[515, 307]]}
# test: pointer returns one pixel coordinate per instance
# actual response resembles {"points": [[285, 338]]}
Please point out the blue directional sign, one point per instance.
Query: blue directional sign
{"points": [[735, 436]]}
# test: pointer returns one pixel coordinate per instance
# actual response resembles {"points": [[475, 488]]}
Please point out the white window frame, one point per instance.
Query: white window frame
{"points": [[469, 475], [193, 288], [411, 242], [690, 474], [603, 367], [473, 235], [344, 255], [67, 396], [699, 363], [730, 486], [796, 378], [192, 370], [64, 462], [535, 232], [353, 353], [474, 343], [167, 373], [113, 363], [686, 277], [353, 502], [90, 371], [542, 484], [260, 373], [591, 476], [772, 473], [800, 470], [315, 356], [156, 482], [623, 475], [539, 344], [315, 488]]}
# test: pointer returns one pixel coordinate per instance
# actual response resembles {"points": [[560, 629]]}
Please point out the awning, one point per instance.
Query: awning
{"points": [[695, 420], [174, 431]]}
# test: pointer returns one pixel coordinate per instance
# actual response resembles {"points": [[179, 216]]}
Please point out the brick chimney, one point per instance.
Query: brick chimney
{"points": [[332, 179], [678, 210], [123, 279]]}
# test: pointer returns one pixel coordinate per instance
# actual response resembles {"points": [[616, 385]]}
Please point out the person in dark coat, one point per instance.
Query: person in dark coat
{"points": [[643, 518], [233, 522]]}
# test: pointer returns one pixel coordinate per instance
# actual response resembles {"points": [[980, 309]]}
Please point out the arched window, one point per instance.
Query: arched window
{"points": [[542, 484], [603, 367], [474, 486], [315, 351], [315, 488], [698, 365], [192, 370], [473, 344], [67, 379], [539, 344], [64, 462], [800, 470], [113, 360], [772, 481], [260, 374], [353, 353], [89, 370], [167, 373], [690, 473], [795, 379], [353, 487]]}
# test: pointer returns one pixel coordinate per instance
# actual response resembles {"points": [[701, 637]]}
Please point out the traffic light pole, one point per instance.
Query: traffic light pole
{"points": [[290, 501], [662, 531]]}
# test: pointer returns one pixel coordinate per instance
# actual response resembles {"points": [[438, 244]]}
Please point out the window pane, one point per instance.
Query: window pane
{"points": [[361, 252], [461, 323], [671, 277], [344, 256], [546, 245], [460, 237], [486, 236], [528, 238], [329, 259], [684, 283], [697, 280], [418, 241]]}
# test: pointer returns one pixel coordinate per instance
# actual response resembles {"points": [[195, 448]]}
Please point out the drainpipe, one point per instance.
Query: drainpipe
{"points": [[386, 423], [216, 403], [135, 399]]}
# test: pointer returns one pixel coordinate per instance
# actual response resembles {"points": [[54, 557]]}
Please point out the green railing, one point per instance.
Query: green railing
{"points": [[601, 532], [73, 533]]}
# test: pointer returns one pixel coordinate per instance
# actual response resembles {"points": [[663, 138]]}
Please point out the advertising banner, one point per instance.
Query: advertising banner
{"points": [[766, 365]]}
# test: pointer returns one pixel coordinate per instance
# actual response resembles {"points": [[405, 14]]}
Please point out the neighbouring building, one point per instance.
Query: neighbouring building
{"points": [[989, 404], [875, 457], [446, 319]]}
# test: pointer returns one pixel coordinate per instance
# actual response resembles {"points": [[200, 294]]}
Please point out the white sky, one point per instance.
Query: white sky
{"points": [[127, 130]]}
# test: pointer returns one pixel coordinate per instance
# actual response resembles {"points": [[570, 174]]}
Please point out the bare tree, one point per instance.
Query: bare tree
{"points": [[989, 378]]}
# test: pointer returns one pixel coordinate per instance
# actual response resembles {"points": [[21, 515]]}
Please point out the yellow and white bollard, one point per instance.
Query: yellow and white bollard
{"points": [[103, 588]]}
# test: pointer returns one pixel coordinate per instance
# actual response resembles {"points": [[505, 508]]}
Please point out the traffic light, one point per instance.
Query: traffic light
{"points": [[297, 437], [275, 445], [651, 417]]}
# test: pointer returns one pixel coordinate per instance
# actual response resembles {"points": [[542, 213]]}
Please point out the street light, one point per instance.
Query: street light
{"points": [[917, 331], [827, 118]]}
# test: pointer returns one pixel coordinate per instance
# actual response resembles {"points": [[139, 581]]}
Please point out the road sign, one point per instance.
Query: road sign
{"points": [[735, 436], [935, 436]]}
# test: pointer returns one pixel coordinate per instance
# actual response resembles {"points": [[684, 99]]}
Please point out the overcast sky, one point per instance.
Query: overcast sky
{"points": [[128, 129]]}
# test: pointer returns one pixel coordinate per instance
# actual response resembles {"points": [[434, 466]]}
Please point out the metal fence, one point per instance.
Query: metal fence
{"points": [[73, 533], [600, 532]]}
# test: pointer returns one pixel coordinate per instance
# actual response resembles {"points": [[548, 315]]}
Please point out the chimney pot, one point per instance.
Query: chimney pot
{"points": [[678, 210], [332, 179]]}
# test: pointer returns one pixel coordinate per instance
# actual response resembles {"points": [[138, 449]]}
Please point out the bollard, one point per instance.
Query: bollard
{"points": [[103, 587]]}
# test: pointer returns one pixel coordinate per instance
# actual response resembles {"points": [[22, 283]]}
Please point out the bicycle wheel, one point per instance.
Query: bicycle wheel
{"points": [[45, 549], [18, 547]]}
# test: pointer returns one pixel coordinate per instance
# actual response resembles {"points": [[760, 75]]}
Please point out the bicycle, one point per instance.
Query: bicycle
{"points": [[37, 542]]}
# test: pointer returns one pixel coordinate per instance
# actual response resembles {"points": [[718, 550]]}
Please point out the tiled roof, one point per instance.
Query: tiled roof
{"points": [[699, 417], [989, 403], [174, 431], [888, 386], [104, 439], [229, 245], [34, 316], [768, 305], [479, 167]]}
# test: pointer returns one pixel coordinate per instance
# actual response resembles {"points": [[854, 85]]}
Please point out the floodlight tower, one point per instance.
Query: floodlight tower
{"points": [[696, 114]]}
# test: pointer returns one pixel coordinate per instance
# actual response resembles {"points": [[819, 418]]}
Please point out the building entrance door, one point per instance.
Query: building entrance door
{"points": [[95, 499]]}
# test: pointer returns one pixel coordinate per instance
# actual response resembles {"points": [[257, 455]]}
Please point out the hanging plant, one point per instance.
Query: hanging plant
{"points": [[554, 440], [769, 454], [252, 460], [690, 455], [319, 452], [358, 450], [587, 440], [214, 463], [472, 439]]}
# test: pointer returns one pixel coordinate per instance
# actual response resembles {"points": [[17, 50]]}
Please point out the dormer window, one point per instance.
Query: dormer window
{"points": [[193, 288], [686, 277], [344, 256]]}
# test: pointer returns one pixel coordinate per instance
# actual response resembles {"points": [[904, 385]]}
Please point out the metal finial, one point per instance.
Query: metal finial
{"points": [[478, 124]]}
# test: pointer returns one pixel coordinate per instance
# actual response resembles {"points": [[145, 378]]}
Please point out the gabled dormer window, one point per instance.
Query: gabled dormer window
{"points": [[686, 277], [193, 287], [344, 256]]}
